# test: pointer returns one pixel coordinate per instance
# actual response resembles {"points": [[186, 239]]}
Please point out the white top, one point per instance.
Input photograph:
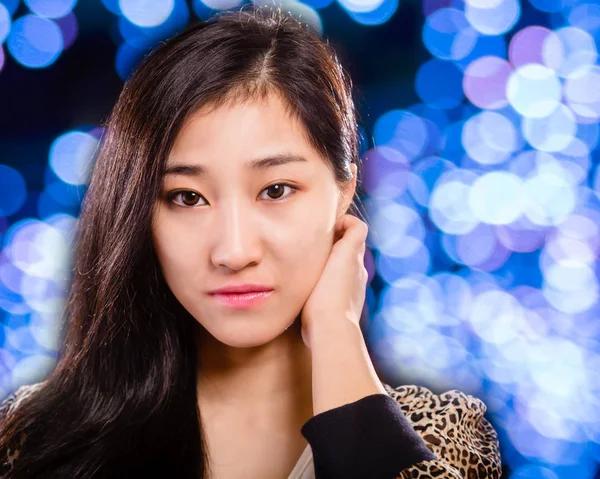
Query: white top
{"points": [[304, 468]]}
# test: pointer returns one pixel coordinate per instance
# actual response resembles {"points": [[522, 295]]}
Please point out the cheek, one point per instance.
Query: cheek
{"points": [[177, 253], [305, 253]]}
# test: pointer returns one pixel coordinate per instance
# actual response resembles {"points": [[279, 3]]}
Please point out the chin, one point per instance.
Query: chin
{"points": [[248, 336]]}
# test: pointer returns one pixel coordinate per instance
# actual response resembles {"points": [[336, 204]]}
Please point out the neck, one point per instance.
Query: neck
{"points": [[272, 382]]}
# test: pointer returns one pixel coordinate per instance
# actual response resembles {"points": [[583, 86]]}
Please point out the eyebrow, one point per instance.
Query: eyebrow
{"points": [[255, 165]]}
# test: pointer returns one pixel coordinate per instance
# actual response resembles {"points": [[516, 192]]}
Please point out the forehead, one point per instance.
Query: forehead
{"points": [[241, 130]]}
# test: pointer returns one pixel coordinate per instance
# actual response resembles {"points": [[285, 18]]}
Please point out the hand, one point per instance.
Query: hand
{"points": [[339, 294]]}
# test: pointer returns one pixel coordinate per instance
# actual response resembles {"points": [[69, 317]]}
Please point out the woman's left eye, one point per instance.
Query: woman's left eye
{"points": [[278, 188]]}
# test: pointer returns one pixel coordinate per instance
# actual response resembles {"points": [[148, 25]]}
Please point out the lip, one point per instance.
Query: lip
{"points": [[242, 288], [241, 300]]}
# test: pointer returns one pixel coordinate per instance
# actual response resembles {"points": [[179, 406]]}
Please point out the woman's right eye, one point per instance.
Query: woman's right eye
{"points": [[189, 198]]}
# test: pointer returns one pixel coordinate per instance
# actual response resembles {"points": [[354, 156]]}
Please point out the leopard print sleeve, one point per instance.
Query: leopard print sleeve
{"points": [[14, 399], [454, 428], [10, 454]]}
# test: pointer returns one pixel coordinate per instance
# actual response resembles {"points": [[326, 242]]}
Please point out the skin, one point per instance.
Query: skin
{"points": [[256, 370]]}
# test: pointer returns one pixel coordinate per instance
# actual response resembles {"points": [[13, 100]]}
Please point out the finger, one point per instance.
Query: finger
{"points": [[353, 228], [358, 229], [349, 221], [340, 228]]}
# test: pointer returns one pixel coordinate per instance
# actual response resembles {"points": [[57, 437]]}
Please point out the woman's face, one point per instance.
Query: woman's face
{"points": [[232, 223]]}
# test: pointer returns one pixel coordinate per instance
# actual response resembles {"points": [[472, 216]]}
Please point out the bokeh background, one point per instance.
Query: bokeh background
{"points": [[480, 128]]}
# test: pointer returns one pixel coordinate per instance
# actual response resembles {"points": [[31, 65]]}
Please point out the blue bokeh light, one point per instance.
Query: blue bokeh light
{"points": [[318, 3], [444, 95], [51, 9], [71, 156], [550, 5], [144, 38], [485, 45], [4, 23], [448, 35], [112, 6], [35, 42], [10, 5], [146, 13], [14, 190], [126, 60], [140, 40], [403, 131], [493, 17], [377, 16], [69, 28]]}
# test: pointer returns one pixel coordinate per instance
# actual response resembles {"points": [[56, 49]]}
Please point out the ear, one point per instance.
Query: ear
{"points": [[347, 193]]}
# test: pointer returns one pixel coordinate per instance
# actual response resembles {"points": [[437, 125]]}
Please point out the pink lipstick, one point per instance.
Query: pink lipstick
{"points": [[241, 300]]}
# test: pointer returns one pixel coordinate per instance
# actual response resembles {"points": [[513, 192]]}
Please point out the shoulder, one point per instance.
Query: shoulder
{"points": [[454, 428], [418, 399]]}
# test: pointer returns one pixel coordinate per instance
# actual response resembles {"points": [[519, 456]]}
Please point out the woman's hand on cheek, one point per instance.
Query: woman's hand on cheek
{"points": [[339, 295], [342, 371]]}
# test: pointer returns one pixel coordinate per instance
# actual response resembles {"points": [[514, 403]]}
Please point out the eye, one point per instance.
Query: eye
{"points": [[278, 188], [189, 199]]}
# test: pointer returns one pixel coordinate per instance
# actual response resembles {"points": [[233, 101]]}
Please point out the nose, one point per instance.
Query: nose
{"points": [[235, 238]]}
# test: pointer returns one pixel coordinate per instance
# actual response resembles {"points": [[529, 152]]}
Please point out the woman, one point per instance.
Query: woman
{"points": [[230, 161]]}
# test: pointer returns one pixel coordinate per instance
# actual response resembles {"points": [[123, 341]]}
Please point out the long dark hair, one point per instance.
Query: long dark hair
{"points": [[121, 401]]}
